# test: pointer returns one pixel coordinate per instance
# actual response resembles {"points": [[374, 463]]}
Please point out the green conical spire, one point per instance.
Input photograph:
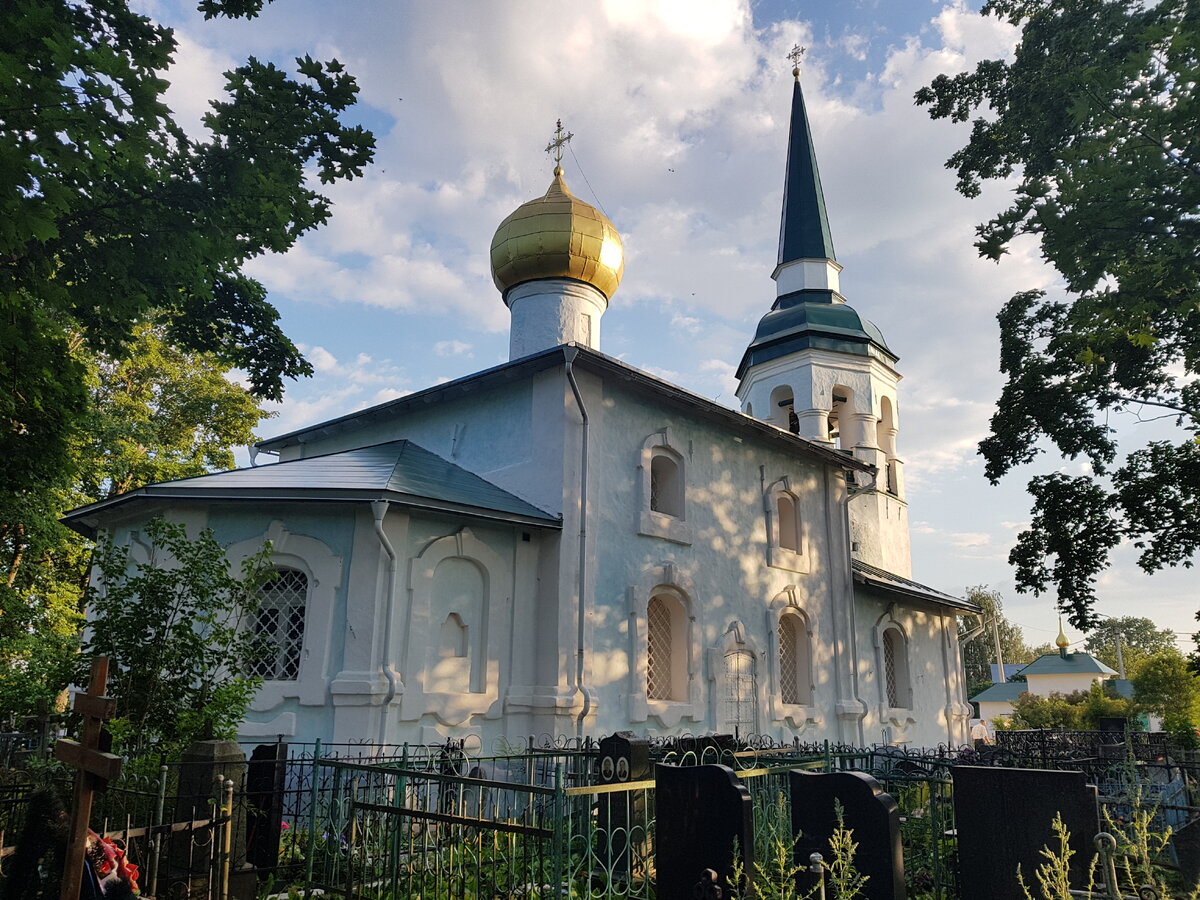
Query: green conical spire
{"points": [[804, 229]]}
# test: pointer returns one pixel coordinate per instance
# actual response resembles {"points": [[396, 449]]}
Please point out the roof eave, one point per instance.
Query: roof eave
{"points": [[85, 520]]}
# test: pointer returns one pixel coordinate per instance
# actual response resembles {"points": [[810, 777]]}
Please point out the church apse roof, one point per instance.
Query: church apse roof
{"points": [[889, 582], [400, 471]]}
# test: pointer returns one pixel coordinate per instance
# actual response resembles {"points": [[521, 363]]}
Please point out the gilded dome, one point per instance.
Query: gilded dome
{"points": [[557, 236]]}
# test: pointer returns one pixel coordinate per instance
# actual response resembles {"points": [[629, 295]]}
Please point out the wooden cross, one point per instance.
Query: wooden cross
{"points": [[95, 770], [555, 146]]}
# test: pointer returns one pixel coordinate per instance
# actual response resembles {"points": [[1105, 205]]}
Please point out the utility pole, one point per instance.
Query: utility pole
{"points": [[1120, 658], [999, 655]]}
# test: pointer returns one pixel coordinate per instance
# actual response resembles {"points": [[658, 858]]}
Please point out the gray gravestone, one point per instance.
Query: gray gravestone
{"points": [[1004, 818], [870, 814], [701, 812]]}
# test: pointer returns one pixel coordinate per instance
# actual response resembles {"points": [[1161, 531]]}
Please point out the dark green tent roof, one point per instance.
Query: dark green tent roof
{"points": [[796, 322]]}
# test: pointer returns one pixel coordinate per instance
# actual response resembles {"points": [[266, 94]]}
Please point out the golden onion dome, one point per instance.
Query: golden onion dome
{"points": [[557, 236]]}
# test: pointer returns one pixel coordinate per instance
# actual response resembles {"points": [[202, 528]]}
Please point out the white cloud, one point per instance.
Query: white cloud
{"points": [[452, 348]]}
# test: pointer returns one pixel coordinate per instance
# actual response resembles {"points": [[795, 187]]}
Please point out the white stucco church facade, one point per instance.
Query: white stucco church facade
{"points": [[565, 544]]}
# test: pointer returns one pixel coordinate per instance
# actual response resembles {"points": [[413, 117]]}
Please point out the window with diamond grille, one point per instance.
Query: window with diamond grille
{"points": [[895, 668], [278, 625], [658, 650], [741, 710], [795, 673]]}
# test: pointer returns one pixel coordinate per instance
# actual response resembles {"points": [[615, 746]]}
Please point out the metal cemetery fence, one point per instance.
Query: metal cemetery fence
{"points": [[539, 819]]}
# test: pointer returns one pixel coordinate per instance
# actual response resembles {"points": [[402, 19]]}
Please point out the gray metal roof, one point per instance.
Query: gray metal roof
{"points": [[906, 587], [398, 471]]}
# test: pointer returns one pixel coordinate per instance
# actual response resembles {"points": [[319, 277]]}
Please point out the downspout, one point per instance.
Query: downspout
{"points": [[851, 493], [379, 509], [570, 353]]}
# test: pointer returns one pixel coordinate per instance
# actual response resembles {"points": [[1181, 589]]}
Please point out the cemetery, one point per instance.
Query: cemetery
{"points": [[631, 817]]}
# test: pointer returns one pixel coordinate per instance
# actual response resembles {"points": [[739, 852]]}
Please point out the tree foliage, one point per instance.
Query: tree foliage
{"points": [[1095, 120], [1079, 710], [157, 415], [172, 625], [1140, 638], [979, 653], [112, 216], [123, 292], [1166, 686]]}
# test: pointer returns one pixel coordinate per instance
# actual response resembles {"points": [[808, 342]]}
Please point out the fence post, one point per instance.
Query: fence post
{"points": [[226, 842], [312, 819], [156, 855], [557, 845]]}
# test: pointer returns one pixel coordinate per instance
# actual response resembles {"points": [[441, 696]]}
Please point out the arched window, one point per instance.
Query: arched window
{"points": [[741, 692], [895, 669], [278, 626], [666, 649], [795, 661], [666, 486], [662, 512], [789, 523]]}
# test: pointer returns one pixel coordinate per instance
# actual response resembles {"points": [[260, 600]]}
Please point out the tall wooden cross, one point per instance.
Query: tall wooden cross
{"points": [[555, 146], [95, 769]]}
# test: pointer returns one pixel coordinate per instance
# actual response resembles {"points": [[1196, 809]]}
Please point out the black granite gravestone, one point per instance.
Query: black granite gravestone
{"points": [[621, 815], [701, 812], [265, 778], [870, 814], [1003, 818]]}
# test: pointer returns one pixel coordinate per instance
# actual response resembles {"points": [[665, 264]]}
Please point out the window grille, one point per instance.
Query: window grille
{"points": [[655, 488], [889, 668], [278, 625], [789, 681], [658, 650], [741, 710]]}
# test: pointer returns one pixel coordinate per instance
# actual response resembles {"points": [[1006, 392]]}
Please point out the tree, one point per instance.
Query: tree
{"points": [[159, 414], [1139, 637], [111, 216], [172, 627], [1096, 118], [1165, 685], [979, 654]]}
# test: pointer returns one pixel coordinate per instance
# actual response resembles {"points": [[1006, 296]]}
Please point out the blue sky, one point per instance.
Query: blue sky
{"points": [[679, 110]]}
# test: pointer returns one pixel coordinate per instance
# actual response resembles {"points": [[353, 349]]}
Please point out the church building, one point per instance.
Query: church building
{"points": [[564, 544]]}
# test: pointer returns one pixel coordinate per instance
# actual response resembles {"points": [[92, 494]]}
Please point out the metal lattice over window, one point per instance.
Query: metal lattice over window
{"points": [[741, 710], [889, 667], [658, 650], [789, 683], [279, 626]]}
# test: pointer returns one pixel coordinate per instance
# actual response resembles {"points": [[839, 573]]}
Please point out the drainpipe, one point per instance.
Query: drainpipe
{"points": [[379, 509], [570, 353], [851, 493]]}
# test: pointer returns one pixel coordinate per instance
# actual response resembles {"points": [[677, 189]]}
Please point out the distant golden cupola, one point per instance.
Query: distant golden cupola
{"points": [[557, 261], [557, 236]]}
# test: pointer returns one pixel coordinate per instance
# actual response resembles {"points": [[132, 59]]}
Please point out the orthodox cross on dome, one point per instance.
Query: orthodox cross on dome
{"points": [[796, 56], [556, 145]]}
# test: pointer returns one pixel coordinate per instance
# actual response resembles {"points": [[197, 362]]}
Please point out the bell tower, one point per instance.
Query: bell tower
{"points": [[819, 369]]}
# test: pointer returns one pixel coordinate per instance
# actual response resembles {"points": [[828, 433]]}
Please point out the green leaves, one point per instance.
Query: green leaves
{"points": [[1096, 118], [170, 615], [111, 216]]}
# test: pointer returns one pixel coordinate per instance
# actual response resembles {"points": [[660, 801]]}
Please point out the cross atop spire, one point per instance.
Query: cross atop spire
{"points": [[556, 144], [796, 56]]}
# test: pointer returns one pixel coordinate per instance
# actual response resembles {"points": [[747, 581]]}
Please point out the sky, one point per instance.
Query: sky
{"points": [[679, 111]]}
